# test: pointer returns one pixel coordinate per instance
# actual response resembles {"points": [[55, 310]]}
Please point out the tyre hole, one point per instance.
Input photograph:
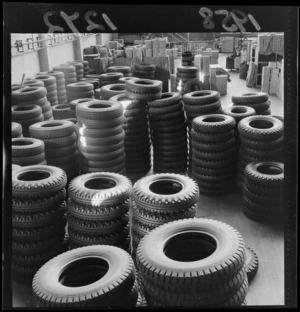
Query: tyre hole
{"points": [[165, 187], [99, 106], [191, 246], [23, 108], [33, 175], [83, 272], [239, 110], [21, 143], [54, 124], [213, 119], [62, 106], [118, 88], [269, 169], [261, 124], [143, 82], [201, 94], [166, 96], [100, 183]]}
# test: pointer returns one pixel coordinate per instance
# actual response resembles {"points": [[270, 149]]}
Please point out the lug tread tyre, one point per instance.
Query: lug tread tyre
{"points": [[52, 129], [23, 147], [206, 137], [194, 111], [193, 85], [167, 99], [106, 292], [55, 181], [252, 263], [201, 97], [222, 124]]}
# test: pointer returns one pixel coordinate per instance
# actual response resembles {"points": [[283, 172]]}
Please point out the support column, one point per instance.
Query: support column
{"points": [[99, 39], [43, 54], [77, 48]]}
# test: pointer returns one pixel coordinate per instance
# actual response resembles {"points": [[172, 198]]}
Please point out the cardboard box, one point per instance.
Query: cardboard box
{"points": [[129, 52], [162, 43], [113, 44], [155, 44], [175, 52], [134, 52], [206, 63], [162, 52], [155, 52], [148, 52], [148, 44]]}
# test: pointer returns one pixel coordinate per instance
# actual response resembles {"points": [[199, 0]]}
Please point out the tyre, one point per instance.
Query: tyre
{"points": [[186, 75], [167, 99], [143, 86], [144, 74], [21, 112], [201, 97], [252, 263], [145, 67], [28, 160], [79, 87], [120, 69], [163, 254], [47, 79], [193, 111], [211, 137], [187, 69], [257, 144], [123, 79], [16, 130], [108, 77], [85, 189], [239, 111], [213, 123], [193, 85], [111, 90], [37, 181], [70, 279], [142, 96], [246, 98], [97, 133], [260, 107], [99, 109], [52, 129], [79, 95], [260, 128]]}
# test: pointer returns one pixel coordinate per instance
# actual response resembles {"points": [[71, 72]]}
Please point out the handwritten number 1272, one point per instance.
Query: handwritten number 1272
{"points": [[70, 18]]}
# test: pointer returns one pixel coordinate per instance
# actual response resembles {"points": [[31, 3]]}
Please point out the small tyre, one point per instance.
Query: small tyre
{"points": [[239, 111], [255, 97], [214, 123], [143, 86], [201, 97], [111, 90]]}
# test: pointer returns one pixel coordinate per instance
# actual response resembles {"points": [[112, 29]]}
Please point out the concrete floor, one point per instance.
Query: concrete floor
{"points": [[238, 86]]}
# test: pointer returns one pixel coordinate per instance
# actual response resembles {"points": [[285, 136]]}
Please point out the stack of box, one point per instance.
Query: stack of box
{"points": [[162, 47], [155, 47], [213, 74], [175, 52], [206, 63], [265, 80], [198, 62], [221, 84], [274, 80], [148, 44], [214, 57]]}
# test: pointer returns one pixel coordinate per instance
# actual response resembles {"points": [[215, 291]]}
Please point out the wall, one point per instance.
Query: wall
{"points": [[61, 53], [88, 41], [105, 38], [27, 63]]}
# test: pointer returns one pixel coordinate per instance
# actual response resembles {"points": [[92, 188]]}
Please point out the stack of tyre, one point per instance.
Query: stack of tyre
{"points": [[28, 83], [168, 133], [74, 103], [26, 115], [60, 84], [79, 90], [38, 208], [263, 191], [16, 130], [62, 111], [92, 76], [78, 68], [186, 77], [50, 85], [214, 157], [258, 100], [27, 151], [125, 70], [69, 72], [86, 67], [144, 71], [261, 139], [87, 277], [59, 137], [98, 208], [33, 96], [199, 103], [192, 263], [238, 112], [100, 136], [158, 199], [137, 139], [106, 92]]}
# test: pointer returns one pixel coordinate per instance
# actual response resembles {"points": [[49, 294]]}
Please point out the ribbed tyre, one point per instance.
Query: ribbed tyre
{"points": [[69, 72], [137, 139], [59, 137], [252, 263], [263, 191], [16, 130], [38, 209], [161, 198], [50, 85], [60, 85], [214, 155], [193, 262], [125, 70], [110, 78], [166, 137], [186, 79], [100, 132], [106, 92], [79, 90], [261, 139], [98, 208], [92, 276], [62, 111]]}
